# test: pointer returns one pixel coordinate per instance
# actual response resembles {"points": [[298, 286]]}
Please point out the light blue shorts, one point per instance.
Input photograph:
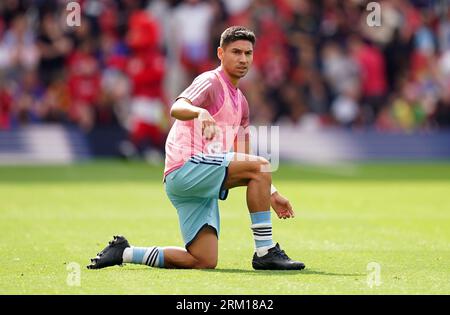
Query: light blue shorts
{"points": [[195, 189]]}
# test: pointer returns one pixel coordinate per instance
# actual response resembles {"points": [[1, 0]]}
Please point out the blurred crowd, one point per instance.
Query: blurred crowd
{"points": [[317, 63]]}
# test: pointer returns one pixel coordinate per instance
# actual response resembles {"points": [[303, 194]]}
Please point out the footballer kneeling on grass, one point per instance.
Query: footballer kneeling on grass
{"points": [[204, 159]]}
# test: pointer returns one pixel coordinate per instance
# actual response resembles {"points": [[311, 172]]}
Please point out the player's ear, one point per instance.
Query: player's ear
{"points": [[220, 53]]}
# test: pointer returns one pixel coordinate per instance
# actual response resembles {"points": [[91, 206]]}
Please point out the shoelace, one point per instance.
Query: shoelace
{"points": [[282, 254]]}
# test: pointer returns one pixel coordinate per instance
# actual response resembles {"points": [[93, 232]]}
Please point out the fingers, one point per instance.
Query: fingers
{"points": [[280, 214], [209, 127], [283, 208], [290, 210], [283, 214], [210, 131], [286, 213]]}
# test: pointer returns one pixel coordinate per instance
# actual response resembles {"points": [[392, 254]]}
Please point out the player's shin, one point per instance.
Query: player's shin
{"points": [[262, 232]]}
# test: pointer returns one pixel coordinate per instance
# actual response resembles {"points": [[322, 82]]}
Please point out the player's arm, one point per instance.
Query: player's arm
{"points": [[183, 109], [281, 205]]}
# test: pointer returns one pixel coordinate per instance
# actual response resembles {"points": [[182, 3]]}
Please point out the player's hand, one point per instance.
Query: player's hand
{"points": [[209, 127], [281, 206]]}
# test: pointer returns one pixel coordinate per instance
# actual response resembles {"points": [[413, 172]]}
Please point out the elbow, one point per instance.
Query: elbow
{"points": [[173, 112]]}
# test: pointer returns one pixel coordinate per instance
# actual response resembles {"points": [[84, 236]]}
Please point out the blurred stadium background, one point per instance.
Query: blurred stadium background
{"points": [[342, 89]]}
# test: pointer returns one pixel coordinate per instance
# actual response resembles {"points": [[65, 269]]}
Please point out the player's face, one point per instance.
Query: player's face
{"points": [[237, 57]]}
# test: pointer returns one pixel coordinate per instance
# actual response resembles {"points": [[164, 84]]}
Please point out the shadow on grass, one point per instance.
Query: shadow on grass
{"points": [[306, 271], [282, 272]]}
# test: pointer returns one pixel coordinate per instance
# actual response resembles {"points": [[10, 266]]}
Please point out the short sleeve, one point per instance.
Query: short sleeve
{"points": [[200, 92]]}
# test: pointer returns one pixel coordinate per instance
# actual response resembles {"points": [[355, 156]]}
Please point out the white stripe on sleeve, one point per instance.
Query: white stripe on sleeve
{"points": [[195, 87], [200, 92]]}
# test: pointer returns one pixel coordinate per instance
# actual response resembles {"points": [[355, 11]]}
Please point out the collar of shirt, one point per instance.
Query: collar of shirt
{"points": [[230, 85]]}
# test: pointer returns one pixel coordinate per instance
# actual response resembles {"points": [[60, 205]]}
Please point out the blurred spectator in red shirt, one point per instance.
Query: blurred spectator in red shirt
{"points": [[373, 77], [5, 107], [145, 67], [84, 83]]}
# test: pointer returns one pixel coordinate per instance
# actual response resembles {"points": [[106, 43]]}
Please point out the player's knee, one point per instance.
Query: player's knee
{"points": [[264, 177], [206, 264], [263, 172], [264, 166], [211, 265]]}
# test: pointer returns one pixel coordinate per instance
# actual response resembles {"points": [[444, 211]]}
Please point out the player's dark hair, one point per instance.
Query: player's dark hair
{"points": [[235, 33]]}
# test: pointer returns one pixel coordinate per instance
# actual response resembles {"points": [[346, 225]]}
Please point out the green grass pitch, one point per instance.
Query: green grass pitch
{"points": [[395, 215]]}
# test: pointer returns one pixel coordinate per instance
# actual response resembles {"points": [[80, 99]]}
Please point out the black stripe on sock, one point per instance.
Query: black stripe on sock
{"points": [[262, 230], [154, 257], [150, 255], [262, 234]]}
